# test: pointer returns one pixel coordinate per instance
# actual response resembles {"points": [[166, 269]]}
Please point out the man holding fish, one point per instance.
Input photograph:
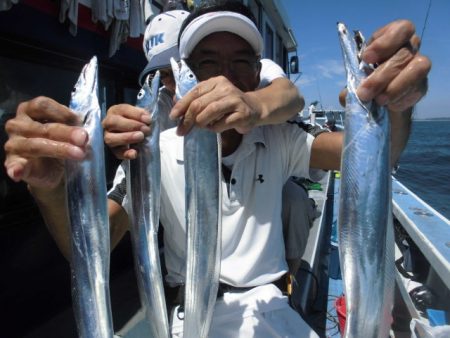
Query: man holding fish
{"points": [[252, 244], [279, 100]]}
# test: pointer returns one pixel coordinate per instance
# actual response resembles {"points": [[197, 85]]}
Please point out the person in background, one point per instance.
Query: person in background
{"points": [[331, 124], [253, 257], [160, 44]]}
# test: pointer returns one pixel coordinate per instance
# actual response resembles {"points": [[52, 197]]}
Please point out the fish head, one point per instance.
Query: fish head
{"points": [[155, 86], [352, 46], [361, 45], [348, 46], [175, 69], [342, 29], [353, 67], [84, 94], [147, 97], [360, 41], [144, 94], [185, 78]]}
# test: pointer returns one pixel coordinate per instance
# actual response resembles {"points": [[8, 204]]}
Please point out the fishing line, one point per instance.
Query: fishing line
{"points": [[420, 46], [425, 23]]}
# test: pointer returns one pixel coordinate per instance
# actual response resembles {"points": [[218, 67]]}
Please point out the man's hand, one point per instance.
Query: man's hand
{"points": [[123, 125], [218, 105], [400, 80], [41, 136]]}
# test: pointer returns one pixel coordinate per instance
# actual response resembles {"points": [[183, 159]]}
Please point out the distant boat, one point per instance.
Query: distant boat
{"points": [[331, 119]]}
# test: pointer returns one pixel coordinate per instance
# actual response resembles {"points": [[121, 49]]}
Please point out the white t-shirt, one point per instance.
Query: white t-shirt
{"points": [[269, 72], [265, 159], [252, 240]]}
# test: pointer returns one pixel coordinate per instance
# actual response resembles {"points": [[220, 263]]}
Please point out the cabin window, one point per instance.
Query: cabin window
{"points": [[23, 80], [256, 9], [284, 64], [279, 51], [268, 42]]}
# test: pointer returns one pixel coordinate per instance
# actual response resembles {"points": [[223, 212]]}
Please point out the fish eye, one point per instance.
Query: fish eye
{"points": [[140, 94]]}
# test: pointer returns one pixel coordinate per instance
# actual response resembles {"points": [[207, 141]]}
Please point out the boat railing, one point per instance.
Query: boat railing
{"points": [[425, 285], [427, 233], [427, 228]]}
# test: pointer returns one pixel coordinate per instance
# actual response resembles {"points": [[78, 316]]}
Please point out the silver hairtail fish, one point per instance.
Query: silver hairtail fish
{"points": [[366, 242], [202, 158], [184, 77], [88, 214], [143, 190]]}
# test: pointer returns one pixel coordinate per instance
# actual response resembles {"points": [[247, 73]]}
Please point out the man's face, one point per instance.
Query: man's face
{"points": [[229, 55]]}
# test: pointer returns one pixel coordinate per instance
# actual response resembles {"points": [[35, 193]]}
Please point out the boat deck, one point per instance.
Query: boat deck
{"points": [[310, 294]]}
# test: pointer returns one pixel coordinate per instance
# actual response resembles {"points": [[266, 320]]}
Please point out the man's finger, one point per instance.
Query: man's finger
{"points": [[243, 124], [214, 112], [120, 124], [222, 102], [181, 106], [405, 102], [124, 153], [402, 99], [15, 167], [44, 172], [129, 112], [130, 154], [40, 147], [46, 109], [210, 115], [386, 41], [415, 75], [185, 125], [53, 131], [123, 139], [377, 82]]}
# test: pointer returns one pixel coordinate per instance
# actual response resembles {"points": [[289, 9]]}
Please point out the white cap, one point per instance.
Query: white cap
{"points": [[223, 21], [160, 40]]}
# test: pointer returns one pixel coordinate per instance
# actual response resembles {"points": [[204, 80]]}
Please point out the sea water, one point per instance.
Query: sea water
{"points": [[425, 163]]}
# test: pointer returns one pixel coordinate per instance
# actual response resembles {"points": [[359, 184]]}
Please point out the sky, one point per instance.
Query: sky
{"points": [[320, 58]]}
